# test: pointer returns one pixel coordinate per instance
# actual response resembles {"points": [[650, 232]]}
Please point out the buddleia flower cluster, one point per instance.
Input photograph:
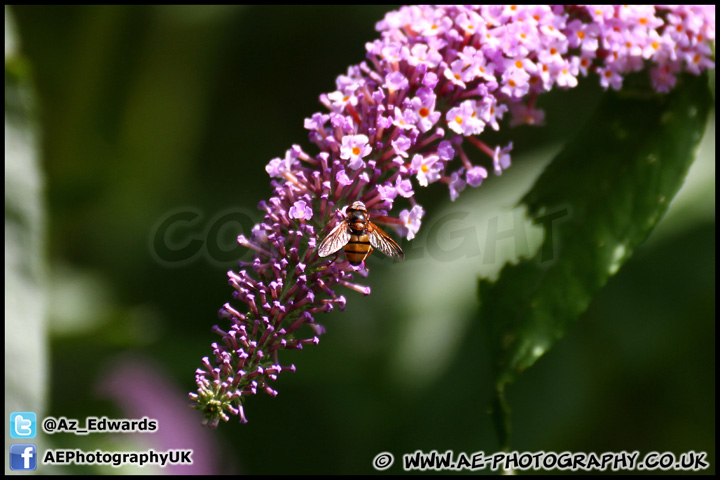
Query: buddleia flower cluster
{"points": [[403, 119]]}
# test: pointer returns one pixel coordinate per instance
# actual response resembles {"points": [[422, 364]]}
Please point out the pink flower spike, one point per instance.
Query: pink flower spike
{"points": [[431, 82]]}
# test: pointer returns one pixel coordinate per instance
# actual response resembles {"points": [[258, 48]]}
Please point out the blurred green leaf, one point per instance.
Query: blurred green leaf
{"points": [[614, 180]]}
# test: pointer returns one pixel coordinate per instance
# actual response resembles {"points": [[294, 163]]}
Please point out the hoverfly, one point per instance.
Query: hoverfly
{"points": [[357, 233]]}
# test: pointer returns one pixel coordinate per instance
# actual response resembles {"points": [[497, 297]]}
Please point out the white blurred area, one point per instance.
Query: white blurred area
{"points": [[25, 276]]}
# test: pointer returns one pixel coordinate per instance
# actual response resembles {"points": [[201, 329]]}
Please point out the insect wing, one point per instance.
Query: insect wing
{"points": [[383, 242], [335, 240]]}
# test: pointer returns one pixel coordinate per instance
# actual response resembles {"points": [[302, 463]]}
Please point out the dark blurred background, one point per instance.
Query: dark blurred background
{"points": [[155, 125]]}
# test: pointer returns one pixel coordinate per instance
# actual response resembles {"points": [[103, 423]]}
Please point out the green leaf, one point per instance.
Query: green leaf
{"points": [[597, 200]]}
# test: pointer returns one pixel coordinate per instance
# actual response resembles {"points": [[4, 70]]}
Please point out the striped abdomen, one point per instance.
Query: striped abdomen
{"points": [[357, 248]]}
